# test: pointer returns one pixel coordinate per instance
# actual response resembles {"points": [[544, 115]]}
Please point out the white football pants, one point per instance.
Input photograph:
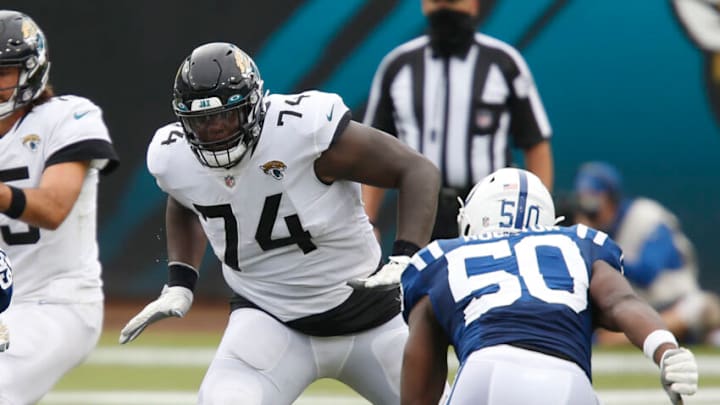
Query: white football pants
{"points": [[46, 341], [507, 375], [260, 361]]}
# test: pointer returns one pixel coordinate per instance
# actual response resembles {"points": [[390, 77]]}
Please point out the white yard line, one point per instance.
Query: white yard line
{"points": [[611, 397], [169, 398], [145, 356]]}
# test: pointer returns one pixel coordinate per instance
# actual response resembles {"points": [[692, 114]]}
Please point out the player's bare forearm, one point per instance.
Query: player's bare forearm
{"points": [[417, 202], [186, 240], [539, 160], [49, 204], [372, 198], [424, 371], [620, 308], [635, 318]]}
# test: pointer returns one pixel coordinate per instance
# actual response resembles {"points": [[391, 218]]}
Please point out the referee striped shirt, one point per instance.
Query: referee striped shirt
{"points": [[459, 112]]}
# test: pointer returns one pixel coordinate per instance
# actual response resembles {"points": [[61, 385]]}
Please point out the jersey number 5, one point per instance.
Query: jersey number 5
{"points": [[508, 285], [32, 235]]}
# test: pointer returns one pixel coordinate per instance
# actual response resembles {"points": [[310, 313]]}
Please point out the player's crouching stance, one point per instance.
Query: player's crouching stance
{"points": [[516, 297], [6, 288], [273, 183]]}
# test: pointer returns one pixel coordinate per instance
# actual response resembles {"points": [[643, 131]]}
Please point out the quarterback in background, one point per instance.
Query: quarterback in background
{"points": [[517, 298], [52, 150], [272, 182]]}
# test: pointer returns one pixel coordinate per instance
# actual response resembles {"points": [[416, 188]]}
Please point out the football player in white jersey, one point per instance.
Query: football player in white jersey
{"points": [[273, 182], [52, 150]]}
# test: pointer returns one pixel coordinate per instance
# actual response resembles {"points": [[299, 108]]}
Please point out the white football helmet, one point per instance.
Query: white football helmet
{"points": [[507, 200]]}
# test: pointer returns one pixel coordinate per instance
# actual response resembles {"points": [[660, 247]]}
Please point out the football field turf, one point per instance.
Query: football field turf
{"points": [[167, 368]]}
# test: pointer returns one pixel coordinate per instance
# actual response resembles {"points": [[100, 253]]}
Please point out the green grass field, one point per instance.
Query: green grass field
{"points": [[112, 370]]}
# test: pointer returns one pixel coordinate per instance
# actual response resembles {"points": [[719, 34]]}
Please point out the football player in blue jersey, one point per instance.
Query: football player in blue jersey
{"points": [[518, 298], [660, 259], [6, 288]]}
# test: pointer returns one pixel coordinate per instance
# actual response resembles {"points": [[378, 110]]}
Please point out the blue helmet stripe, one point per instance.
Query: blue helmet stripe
{"points": [[522, 201]]}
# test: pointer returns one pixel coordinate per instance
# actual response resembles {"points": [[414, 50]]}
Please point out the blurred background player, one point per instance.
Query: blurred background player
{"points": [[52, 150], [462, 99], [660, 260], [516, 297], [271, 182], [6, 288]]}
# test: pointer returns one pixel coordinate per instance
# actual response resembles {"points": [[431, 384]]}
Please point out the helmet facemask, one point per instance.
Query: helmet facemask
{"points": [[220, 137]]}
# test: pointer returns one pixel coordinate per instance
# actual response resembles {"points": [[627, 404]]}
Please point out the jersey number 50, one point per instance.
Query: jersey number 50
{"points": [[509, 289]]}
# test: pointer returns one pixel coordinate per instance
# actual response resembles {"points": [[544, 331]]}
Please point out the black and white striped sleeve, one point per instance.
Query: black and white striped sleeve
{"points": [[529, 123], [379, 111]]}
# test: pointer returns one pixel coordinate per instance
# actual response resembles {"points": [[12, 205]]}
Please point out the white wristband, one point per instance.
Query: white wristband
{"points": [[655, 339]]}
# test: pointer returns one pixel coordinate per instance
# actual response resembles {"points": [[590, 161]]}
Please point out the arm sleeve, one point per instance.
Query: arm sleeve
{"points": [[166, 143], [611, 253], [420, 276], [413, 286], [332, 116], [6, 282], [82, 135], [529, 123], [379, 111], [5, 297]]}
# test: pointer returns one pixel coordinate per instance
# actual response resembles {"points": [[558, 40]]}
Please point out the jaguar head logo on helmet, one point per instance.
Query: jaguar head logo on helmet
{"points": [[23, 45], [509, 200], [218, 97]]}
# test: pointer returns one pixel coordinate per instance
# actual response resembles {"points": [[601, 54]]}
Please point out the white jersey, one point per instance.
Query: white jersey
{"points": [[56, 265], [288, 242]]}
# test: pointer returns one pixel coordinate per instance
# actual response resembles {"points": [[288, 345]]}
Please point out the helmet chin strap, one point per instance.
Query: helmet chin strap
{"points": [[462, 216], [21, 96]]}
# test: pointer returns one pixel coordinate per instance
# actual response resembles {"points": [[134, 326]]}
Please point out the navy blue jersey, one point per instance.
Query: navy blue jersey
{"points": [[529, 289], [6, 284]]}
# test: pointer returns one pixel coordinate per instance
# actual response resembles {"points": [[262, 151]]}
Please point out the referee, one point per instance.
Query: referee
{"points": [[462, 99]]}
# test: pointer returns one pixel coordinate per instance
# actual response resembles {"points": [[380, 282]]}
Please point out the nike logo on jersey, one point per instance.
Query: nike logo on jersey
{"points": [[79, 115], [329, 116]]}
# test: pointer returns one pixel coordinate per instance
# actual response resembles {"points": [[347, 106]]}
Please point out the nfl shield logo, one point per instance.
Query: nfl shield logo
{"points": [[230, 181]]}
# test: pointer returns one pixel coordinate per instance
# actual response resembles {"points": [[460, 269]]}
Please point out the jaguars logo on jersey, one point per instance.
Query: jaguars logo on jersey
{"points": [[32, 142], [274, 169]]}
